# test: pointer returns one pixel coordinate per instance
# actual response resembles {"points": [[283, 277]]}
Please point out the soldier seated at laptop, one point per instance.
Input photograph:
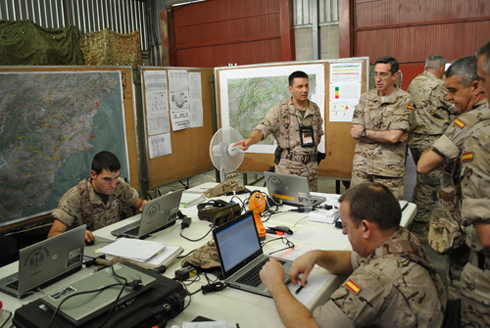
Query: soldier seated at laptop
{"points": [[97, 201], [391, 282]]}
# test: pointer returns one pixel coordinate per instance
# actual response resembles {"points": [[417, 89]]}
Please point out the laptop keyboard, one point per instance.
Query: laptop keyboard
{"points": [[252, 278], [132, 231], [14, 284]]}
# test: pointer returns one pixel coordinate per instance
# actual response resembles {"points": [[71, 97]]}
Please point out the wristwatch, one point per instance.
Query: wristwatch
{"points": [[363, 133]]}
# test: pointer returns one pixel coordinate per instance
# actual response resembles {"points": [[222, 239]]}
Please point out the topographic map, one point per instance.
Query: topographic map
{"points": [[51, 126], [250, 99]]}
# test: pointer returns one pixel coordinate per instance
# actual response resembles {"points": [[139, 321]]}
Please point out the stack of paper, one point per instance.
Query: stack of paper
{"points": [[326, 216]]}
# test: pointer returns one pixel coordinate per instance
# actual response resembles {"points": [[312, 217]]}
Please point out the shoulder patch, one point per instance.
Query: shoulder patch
{"points": [[459, 123], [467, 157], [409, 107], [352, 286]]}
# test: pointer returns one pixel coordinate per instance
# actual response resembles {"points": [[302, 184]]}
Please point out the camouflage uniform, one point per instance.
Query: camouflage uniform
{"points": [[446, 232], [431, 118], [283, 122], [70, 211], [475, 188], [396, 287], [382, 162]]}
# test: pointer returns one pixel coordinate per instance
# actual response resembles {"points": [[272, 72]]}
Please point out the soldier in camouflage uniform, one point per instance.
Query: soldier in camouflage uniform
{"points": [[475, 212], [99, 200], [431, 118], [475, 215], [380, 122], [391, 282], [297, 126], [446, 231]]}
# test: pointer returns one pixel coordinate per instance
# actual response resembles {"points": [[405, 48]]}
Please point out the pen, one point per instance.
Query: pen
{"points": [[300, 288]]}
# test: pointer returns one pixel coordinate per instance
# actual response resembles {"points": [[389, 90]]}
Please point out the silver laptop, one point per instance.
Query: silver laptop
{"points": [[46, 262], [82, 308], [158, 214], [241, 254], [91, 251], [291, 189]]}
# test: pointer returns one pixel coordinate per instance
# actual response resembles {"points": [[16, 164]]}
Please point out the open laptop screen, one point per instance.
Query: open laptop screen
{"points": [[237, 242]]}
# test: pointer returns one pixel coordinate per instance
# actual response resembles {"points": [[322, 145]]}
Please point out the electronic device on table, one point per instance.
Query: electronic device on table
{"points": [[241, 255], [46, 262], [163, 300], [158, 214]]}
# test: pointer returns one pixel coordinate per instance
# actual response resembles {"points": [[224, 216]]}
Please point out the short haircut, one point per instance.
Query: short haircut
{"points": [[485, 50], [105, 160], [373, 202], [394, 66], [294, 75], [435, 62], [466, 69]]}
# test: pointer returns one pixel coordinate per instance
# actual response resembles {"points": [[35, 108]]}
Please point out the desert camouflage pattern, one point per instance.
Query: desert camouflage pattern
{"points": [[475, 189], [205, 257], [432, 116], [378, 159], [425, 185], [70, 211], [450, 143], [398, 288], [224, 188], [446, 233], [431, 107], [283, 122], [394, 184]]}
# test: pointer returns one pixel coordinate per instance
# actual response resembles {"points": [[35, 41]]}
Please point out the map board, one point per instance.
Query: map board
{"points": [[189, 147], [52, 123], [246, 93]]}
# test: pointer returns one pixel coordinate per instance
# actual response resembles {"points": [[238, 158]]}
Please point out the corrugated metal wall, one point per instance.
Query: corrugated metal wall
{"points": [[122, 16], [410, 31], [216, 33], [328, 13]]}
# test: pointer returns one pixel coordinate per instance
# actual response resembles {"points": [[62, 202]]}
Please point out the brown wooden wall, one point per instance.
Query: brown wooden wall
{"points": [[410, 31], [216, 33]]}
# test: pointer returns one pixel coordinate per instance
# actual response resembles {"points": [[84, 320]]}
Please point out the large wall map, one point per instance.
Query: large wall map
{"points": [[51, 126], [247, 95]]}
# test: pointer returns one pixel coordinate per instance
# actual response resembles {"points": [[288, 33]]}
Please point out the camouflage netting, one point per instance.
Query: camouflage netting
{"points": [[111, 48], [25, 43]]}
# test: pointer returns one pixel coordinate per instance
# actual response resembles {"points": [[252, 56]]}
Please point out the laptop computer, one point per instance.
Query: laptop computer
{"points": [[82, 308], [91, 251], [241, 255], [291, 189], [46, 262], [158, 214]]}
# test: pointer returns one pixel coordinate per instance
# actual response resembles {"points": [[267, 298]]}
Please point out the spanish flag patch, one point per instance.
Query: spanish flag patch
{"points": [[467, 157], [409, 107], [459, 123], [352, 286]]}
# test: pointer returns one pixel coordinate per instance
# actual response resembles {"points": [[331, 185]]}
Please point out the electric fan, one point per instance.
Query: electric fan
{"points": [[225, 157]]}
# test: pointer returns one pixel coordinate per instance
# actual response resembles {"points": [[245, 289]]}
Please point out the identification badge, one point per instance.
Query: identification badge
{"points": [[306, 136]]}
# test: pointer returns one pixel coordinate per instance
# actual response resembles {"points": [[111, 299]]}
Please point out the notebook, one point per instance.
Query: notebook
{"points": [[158, 214], [46, 262], [82, 308], [241, 255], [291, 189]]}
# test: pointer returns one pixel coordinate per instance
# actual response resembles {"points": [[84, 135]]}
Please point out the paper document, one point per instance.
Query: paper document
{"points": [[315, 281], [323, 238], [292, 254], [133, 249]]}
